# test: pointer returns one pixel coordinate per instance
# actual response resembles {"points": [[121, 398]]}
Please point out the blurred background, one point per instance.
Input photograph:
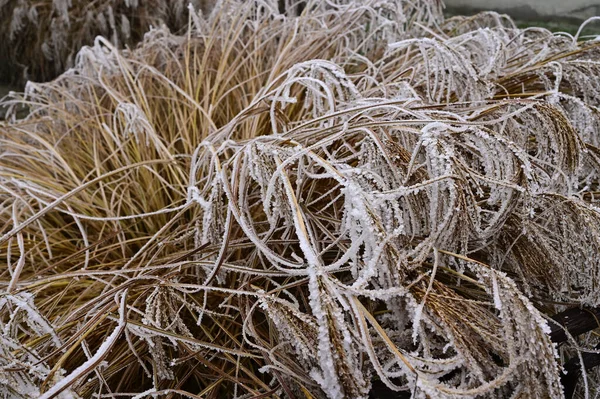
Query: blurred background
{"points": [[555, 15]]}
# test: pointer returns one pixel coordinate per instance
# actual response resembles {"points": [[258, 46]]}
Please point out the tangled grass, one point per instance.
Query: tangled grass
{"points": [[297, 205]]}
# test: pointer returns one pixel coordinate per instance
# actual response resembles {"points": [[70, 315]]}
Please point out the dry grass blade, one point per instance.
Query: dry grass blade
{"points": [[297, 204]]}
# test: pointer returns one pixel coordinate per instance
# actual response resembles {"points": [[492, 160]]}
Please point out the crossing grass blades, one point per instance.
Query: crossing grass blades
{"points": [[302, 205]]}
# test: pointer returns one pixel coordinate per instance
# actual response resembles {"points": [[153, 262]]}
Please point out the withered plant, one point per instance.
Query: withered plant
{"points": [[300, 205]]}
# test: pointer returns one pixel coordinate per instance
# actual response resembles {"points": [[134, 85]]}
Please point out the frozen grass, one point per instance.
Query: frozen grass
{"points": [[296, 205]]}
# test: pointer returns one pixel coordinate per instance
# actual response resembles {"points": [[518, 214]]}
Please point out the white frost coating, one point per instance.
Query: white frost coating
{"points": [[25, 302], [145, 394], [496, 292], [364, 166], [327, 376], [92, 362]]}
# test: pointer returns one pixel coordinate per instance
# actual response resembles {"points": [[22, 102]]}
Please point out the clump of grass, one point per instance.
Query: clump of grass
{"points": [[295, 205]]}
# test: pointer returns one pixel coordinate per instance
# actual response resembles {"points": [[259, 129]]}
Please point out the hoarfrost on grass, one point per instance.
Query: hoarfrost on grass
{"points": [[296, 194]]}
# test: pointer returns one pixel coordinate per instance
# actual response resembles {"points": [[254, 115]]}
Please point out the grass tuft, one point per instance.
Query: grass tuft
{"points": [[297, 205]]}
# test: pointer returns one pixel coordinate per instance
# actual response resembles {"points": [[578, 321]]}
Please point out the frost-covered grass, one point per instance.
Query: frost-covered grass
{"points": [[297, 205]]}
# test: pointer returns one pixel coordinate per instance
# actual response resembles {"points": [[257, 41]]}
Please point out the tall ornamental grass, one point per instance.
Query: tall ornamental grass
{"points": [[301, 205]]}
